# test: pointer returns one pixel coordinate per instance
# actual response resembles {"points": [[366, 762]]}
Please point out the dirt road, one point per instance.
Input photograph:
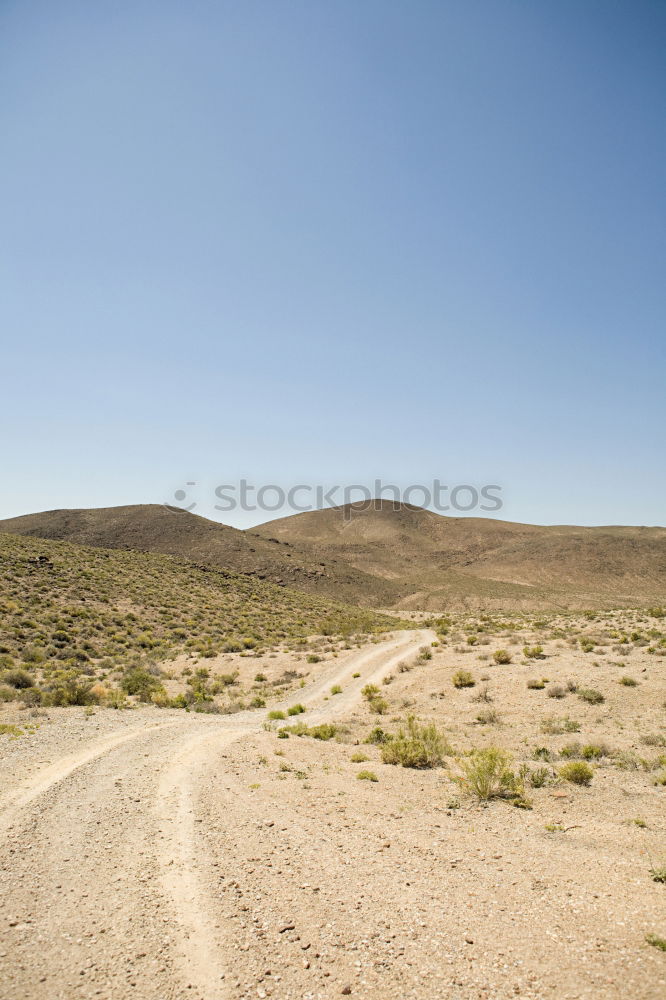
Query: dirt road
{"points": [[105, 859]]}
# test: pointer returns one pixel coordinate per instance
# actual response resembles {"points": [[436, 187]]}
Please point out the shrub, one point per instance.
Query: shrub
{"points": [[367, 776], [658, 874], [577, 772], [591, 696], [416, 746], [18, 679], [555, 727], [587, 645], [536, 685], [370, 691], [296, 709], [312, 658], [33, 654], [139, 682], [276, 713], [488, 717], [336, 689], [69, 692], [463, 679], [656, 941], [324, 731], [487, 774], [628, 682], [378, 736], [502, 656], [378, 705], [359, 757], [594, 751], [540, 777], [533, 652], [556, 691]]}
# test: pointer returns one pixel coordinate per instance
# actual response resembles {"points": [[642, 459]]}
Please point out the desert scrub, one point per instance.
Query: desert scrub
{"points": [[367, 776], [591, 696], [336, 689], [19, 679], [463, 679], [658, 874], [628, 682], [418, 746], [656, 941], [276, 713], [502, 656], [535, 684], [576, 772], [374, 699], [359, 757], [533, 652], [297, 709], [486, 774], [556, 691], [378, 736], [587, 645], [552, 726], [488, 717]]}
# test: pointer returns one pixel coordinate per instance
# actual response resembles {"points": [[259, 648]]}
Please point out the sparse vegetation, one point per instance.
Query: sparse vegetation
{"points": [[463, 679], [487, 774], [419, 746], [591, 696], [577, 773]]}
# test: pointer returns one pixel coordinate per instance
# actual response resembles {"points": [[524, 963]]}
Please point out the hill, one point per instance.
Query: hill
{"points": [[154, 528], [448, 561], [392, 555], [67, 606]]}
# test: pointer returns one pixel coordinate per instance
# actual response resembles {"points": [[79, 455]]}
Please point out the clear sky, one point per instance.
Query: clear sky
{"points": [[330, 240]]}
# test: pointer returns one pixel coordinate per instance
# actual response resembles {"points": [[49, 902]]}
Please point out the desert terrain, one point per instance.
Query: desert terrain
{"points": [[218, 787]]}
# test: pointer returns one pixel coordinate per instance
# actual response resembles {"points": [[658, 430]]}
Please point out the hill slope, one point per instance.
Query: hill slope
{"points": [[443, 560], [72, 605], [154, 528], [392, 554]]}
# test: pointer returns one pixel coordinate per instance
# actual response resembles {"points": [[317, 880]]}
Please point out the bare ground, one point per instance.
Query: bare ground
{"points": [[158, 854]]}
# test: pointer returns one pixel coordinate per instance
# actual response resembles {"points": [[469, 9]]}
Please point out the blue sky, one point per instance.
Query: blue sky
{"points": [[323, 242]]}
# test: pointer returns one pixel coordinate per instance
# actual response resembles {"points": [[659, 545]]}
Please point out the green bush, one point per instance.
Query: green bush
{"points": [[533, 652], [18, 679], [463, 679], [502, 656], [367, 776], [140, 683], [276, 713], [378, 736], [577, 772], [591, 696], [296, 709], [487, 774], [416, 746]]}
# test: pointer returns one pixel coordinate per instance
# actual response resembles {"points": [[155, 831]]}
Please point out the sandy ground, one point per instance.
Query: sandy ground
{"points": [[162, 854]]}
